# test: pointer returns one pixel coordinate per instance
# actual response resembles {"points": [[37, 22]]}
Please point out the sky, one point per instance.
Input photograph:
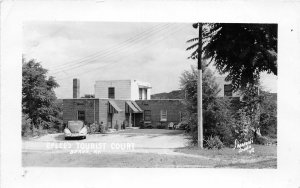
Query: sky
{"points": [[150, 52]]}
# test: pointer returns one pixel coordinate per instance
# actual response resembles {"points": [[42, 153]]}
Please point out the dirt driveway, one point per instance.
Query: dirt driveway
{"points": [[140, 140], [135, 148]]}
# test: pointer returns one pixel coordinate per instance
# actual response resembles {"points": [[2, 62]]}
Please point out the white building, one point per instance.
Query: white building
{"points": [[225, 88], [122, 89]]}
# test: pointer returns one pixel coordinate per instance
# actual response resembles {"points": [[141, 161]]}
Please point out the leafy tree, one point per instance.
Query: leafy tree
{"points": [[257, 116], [38, 96], [268, 115], [240, 50], [216, 111]]}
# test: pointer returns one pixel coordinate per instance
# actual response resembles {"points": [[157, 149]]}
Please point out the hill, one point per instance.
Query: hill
{"points": [[176, 94]]}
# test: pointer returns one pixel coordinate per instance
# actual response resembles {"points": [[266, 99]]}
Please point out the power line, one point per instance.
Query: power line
{"points": [[116, 46], [109, 53], [108, 64]]}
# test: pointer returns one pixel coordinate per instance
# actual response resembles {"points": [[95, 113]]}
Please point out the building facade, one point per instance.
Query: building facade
{"points": [[127, 103], [121, 103], [161, 112]]}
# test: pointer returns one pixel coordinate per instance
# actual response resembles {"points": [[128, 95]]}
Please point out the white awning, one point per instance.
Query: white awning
{"points": [[136, 106], [113, 107], [143, 86], [129, 106]]}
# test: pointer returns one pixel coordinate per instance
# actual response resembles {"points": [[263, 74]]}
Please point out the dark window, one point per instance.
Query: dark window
{"points": [[111, 92], [228, 90], [140, 93], [180, 116], [81, 115], [147, 115], [146, 94]]}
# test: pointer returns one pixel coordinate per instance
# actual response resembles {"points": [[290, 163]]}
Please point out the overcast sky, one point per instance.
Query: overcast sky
{"points": [[90, 51]]}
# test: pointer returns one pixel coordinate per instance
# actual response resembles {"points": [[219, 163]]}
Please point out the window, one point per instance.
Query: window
{"points": [[163, 115], [140, 93], [111, 92], [147, 115], [81, 115], [146, 94], [180, 116], [228, 90]]}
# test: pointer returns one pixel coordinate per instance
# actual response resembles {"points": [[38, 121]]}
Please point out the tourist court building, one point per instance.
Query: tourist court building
{"points": [[122, 103]]}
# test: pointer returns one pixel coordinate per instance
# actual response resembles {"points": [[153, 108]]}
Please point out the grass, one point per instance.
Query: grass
{"points": [[263, 156]]}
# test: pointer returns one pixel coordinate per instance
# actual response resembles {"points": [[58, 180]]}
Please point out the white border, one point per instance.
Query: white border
{"points": [[14, 13]]}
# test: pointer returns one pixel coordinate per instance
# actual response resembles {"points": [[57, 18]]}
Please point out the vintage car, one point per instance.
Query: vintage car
{"points": [[75, 129]]}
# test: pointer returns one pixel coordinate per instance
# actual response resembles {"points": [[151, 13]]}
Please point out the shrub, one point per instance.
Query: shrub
{"points": [[148, 126], [268, 117], [101, 129], [216, 111], [161, 125], [26, 126], [213, 143], [94, 128]]}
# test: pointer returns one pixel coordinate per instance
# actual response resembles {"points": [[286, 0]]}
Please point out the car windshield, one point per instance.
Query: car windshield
{"points": [[75, 126]]}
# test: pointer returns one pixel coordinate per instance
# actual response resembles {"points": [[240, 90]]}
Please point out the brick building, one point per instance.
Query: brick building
{"points": [[160, 112], [121, 102]]}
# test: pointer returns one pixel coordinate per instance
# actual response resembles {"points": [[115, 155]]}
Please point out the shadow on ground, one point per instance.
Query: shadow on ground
{"points": [[61, 137]]}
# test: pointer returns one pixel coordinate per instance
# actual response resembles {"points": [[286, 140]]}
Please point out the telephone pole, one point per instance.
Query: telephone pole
{"points": [[199, 87]]}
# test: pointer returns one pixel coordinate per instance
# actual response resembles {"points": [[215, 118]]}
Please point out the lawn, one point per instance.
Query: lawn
{"points": [[263, 156]]}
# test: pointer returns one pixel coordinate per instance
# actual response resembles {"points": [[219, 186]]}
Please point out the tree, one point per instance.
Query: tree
{"points": [[268, 116], [38, 96], [240, 50], [216, 111]]}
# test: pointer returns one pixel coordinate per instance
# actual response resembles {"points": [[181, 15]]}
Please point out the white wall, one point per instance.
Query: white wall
{"points": [[135, 90], [122, 89], [221, 81]]}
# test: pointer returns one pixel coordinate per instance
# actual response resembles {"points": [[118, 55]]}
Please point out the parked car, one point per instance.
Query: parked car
{"points": [[75, 129]]}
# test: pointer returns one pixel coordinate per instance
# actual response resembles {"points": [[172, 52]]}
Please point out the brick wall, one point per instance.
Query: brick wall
{"points": [[173, 107], [71, 107]]}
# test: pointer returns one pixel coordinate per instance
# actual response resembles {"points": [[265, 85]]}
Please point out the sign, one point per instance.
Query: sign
{"points": [[244, 147]]}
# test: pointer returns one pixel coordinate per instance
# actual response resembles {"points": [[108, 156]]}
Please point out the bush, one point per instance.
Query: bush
{"points": [[148, 126], [161, 125], [268, 117], [262, 140], [213, 143], [217, 112], [26, 126]]}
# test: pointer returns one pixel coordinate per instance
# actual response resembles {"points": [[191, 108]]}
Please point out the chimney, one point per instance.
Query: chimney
{"points": [[76, 88]]}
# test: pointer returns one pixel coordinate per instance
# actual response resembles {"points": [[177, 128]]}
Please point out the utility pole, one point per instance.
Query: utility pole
{"points": [[199, 87]]}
